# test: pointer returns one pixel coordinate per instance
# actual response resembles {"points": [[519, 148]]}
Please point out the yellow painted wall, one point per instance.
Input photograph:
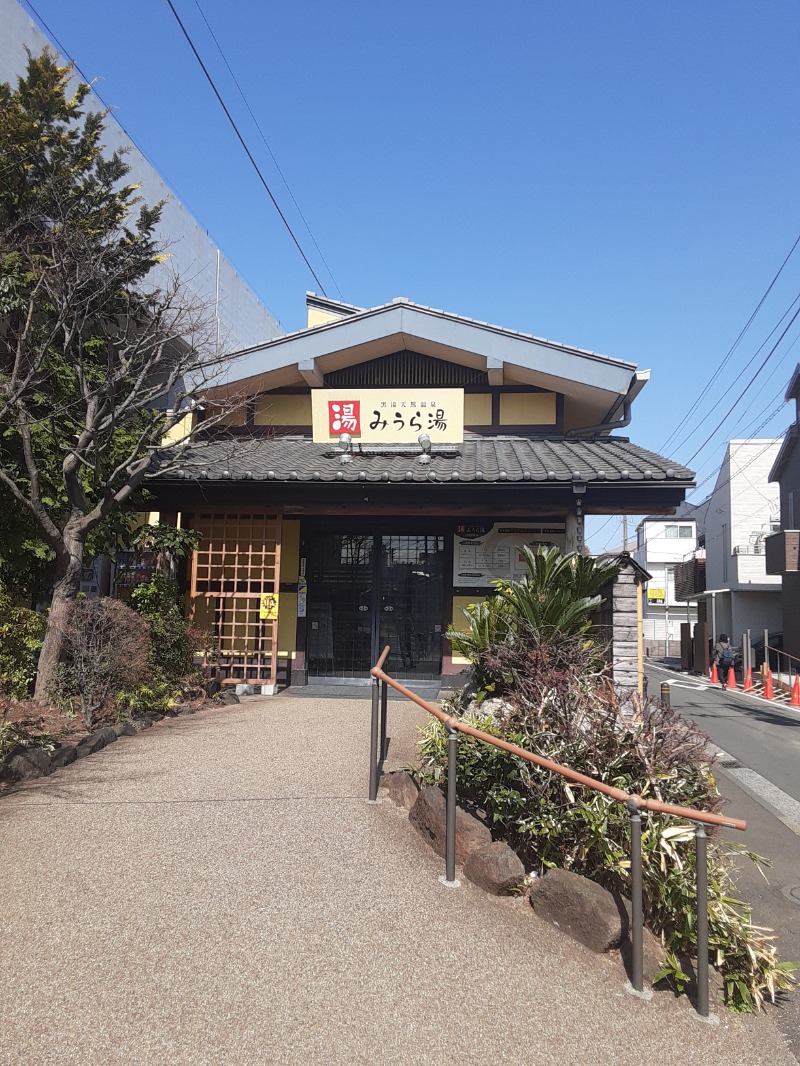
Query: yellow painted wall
{"points": [[290, 571], [180, 429], [276, 409], [527, 408], [477, 408], [318, 317], [459, 622]]}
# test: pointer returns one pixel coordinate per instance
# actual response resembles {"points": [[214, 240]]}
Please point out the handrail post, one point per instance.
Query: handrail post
{"points": [[373, 746], [701, 861], [384, 689], [637, 911], [452, 771]]}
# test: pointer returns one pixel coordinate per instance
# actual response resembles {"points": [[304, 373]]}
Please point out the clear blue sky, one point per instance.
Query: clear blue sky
{"points": [[618, 176]]}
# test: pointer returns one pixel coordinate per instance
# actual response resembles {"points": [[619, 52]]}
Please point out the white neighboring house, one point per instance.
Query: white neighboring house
{"points": [[662, 543], [742, 511]]}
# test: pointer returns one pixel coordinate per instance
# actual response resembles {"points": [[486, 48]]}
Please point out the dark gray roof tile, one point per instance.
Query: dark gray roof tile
{"points": [[491, 460]]}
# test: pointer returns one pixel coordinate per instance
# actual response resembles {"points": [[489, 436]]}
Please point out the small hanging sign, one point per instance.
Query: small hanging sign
{"points": [[268, 611]]}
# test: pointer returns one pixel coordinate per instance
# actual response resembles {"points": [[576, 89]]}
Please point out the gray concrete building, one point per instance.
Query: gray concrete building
{"points": [[242, 319]]}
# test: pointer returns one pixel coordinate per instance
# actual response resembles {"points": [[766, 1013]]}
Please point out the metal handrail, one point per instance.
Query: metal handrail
{"points": [[635, 805], [793, 663]]}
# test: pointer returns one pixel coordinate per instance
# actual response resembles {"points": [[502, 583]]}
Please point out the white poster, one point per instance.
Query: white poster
{"points": [[487, 553]]}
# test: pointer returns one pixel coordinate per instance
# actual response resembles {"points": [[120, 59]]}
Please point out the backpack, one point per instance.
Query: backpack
{"points": [[728, 657]]}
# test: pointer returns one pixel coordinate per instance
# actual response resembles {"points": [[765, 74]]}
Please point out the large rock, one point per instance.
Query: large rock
{"points": [[582, 908], [244, 689], [428, 815], [495, 868], [402, 788], [100, 739], [25, 763], [63, 756]]}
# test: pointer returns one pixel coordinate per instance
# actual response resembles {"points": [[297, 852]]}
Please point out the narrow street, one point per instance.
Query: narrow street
{"points": [[758, 772]]}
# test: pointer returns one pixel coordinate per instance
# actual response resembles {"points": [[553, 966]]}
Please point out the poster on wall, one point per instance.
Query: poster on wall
{"points": [[486, 553]]}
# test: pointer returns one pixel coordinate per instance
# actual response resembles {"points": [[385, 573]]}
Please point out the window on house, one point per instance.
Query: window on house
{"points": [[685, 532], [671, 532]]}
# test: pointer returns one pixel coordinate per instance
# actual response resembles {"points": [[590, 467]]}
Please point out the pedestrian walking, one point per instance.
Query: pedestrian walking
{"points": [[724, 657]]}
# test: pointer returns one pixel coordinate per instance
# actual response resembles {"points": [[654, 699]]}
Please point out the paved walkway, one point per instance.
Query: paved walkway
{"points": [[217, 891]]}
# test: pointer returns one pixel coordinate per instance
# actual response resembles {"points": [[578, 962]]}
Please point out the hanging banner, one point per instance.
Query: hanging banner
{"points": [[388, 416]]}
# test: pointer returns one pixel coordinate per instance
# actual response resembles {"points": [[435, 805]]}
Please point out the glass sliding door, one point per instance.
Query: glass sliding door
{"points": [[368, 590]]}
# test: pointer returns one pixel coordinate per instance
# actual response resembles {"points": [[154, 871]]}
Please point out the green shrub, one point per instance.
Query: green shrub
{"points": [[21, 635], [553, 700], [172, 644]]}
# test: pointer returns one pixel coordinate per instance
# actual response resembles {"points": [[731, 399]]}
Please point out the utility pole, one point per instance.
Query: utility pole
{"points": [[624, 532]]}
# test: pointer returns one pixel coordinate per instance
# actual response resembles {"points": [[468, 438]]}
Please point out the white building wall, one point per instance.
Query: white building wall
{"points": [[242, 318]]}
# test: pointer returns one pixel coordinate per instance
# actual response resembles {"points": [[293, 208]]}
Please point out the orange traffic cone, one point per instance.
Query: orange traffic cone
{"points": [[731, 682], [714, 675], [748, 680], [795, 700], [768, 693]]}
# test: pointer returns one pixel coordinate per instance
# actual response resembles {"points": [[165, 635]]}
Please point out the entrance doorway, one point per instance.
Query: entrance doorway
{"points": [[366, 591]]}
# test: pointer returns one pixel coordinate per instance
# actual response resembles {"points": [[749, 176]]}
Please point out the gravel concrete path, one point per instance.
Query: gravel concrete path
{"points": [[217, 891]]}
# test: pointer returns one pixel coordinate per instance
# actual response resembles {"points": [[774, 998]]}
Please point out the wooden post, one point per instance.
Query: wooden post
{"points": [[273, 666]]}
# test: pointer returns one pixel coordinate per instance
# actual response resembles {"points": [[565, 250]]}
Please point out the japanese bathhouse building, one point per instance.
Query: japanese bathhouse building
{"points": [[381, 470]]}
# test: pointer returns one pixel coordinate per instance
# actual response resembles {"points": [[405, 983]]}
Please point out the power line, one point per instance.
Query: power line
{"points": [[243, 143], [757, 352], [747, 386], [730, 351], [266, 145]]}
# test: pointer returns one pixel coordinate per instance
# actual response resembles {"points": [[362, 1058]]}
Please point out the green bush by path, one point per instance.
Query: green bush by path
{"points": [[21, 635]]}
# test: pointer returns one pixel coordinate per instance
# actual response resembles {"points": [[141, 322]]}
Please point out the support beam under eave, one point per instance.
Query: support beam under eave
{"points": [[494, 371], [311, 374]]}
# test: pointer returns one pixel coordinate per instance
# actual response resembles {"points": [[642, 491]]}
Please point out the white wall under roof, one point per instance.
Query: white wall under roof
{"points": [[242, 318]]}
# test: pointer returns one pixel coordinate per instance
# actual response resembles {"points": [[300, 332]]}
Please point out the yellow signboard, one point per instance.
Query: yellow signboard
{"points": [[656, 594], [268, 610], [388, 416]]}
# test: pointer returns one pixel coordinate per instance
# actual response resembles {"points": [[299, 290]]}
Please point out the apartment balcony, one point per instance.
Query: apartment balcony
{"points": [[690, 578], [782, 551]]}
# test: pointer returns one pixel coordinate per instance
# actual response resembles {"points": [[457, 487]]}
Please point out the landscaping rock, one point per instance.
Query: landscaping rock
{"points": [[212, 688], [63, 756], [402, 788], [495, 868], [182, 709], [227, 696], [428, 816], [244, 690], [95, 741], [145, 723], [119, 729], [130, 729], [26, 763], [582, 908]]}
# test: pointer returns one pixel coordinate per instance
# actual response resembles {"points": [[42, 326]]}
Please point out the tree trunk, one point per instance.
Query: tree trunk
{"points": [[68, 583]]}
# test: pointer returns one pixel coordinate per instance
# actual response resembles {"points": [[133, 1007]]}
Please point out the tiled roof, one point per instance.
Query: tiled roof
{"points": [[489, 460]]}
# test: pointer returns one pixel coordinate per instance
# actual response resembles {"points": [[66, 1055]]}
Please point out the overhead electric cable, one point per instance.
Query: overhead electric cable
{"points": [[756, 353], [267, 146], [726, 358], [738, 399], [243, 143]]}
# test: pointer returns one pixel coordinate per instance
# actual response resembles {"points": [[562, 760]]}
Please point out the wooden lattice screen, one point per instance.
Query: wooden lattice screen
{"points": [[237, 563]]}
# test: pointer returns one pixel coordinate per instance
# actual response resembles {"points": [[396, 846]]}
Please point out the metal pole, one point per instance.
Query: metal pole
{"points": [[384, 716], [713, 618], [637, 915], [665, 693], [701, 859], [373, 746], [452, 770], [766, 648]]}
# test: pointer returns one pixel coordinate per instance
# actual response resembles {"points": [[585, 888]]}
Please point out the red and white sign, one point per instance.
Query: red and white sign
{"points": [[344, 416]]}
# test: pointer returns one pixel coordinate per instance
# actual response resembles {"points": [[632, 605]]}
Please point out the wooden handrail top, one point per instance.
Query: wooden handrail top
{"points": [[572, 775], [780, 651]]}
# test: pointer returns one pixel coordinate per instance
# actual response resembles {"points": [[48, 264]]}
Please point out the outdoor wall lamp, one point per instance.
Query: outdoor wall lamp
{"points": [[346, 446], [425, 443]]}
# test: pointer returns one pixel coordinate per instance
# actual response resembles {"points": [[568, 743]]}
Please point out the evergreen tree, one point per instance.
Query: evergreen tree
{"points": [[97, 361]]}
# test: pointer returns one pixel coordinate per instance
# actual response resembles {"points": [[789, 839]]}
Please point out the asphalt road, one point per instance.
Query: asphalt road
{"points": [[759, 776]]}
